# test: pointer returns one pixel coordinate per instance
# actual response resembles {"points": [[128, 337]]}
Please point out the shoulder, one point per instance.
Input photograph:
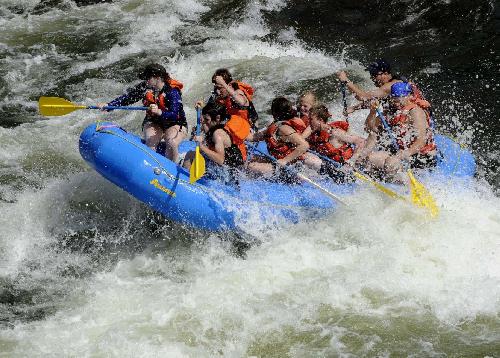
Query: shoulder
{"points": [[386, 87], [220, 133]]}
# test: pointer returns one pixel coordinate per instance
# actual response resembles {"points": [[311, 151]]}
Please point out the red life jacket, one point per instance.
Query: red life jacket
{"points": [[278, 148], [320, 142], [305, 119], [399, 126]]}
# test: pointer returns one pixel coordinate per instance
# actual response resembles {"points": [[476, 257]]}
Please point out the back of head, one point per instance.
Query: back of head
{"points": [[321, 112], [282, 109], [224, 73], [154, 70], [378, 66], [401, 89], [214, 110]]}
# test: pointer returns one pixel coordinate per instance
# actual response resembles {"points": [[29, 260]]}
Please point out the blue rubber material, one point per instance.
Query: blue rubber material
{"points": [[123, 159]]}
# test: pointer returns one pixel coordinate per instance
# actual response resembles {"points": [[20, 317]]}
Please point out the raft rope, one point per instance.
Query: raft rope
{"points": [[202, 187]]}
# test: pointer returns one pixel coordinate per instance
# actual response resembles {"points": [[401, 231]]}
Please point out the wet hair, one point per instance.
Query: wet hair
{"points": [[224, 73], [380, 65], [214, 110], [321, 112], [154, 70], [282, 109], [308, 94]]}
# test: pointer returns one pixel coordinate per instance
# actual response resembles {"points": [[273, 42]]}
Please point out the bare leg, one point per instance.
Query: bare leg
{"points": [[260, 165], [152, 135], [188, 159], [312, 161], [173, 137]]}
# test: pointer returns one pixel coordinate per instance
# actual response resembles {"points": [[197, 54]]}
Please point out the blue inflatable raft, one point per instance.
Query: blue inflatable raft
{"points": [[122, 158]]}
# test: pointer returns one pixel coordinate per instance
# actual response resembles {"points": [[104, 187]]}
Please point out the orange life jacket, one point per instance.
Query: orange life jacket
{"points": [[238, 129], [227, 151], [399, 126], [232, 107], [278, 148], [320, 142]]}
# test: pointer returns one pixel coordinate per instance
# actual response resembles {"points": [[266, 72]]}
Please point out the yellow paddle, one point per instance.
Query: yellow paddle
{"points": [[379, 186], [198, 166], [420, 196], [56, 106]]}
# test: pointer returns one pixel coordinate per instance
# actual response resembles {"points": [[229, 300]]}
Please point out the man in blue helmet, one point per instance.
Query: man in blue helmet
{"points": [[407, 130], [380, 73]]}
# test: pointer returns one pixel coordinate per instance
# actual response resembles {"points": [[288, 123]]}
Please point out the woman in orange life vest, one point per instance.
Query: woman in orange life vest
{"points": [[165, 118], [410, 126], [284, 141], [217, 145], [332, 139]]}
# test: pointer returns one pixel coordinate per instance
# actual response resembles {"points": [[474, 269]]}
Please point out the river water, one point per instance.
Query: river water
{"points": [[86, 270]]}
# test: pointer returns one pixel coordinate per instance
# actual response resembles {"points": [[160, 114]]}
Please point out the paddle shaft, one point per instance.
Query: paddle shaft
{"points": [[198, 121], [388, 129], [110, 108], [358, 175], [343, 86], [302, 176]]}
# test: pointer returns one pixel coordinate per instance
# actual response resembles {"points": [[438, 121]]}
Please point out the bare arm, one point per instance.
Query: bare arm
{"points": [[289, 135], [237, 95], [419, 122], [307, 132], [218, 154], [361, 94], [257, 136]]}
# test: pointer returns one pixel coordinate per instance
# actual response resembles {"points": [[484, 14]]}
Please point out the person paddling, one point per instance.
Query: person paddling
{"points": [[284, 142], [380, 74], [217, 145], [409, 131], [165, 118], [332, 140]]}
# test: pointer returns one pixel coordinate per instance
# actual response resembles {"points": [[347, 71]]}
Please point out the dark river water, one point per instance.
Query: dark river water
{"points": [[86, 270]]}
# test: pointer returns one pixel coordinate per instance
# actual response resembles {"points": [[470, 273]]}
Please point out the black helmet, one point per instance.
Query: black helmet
{"points": [[378, 66], [153, 70]]}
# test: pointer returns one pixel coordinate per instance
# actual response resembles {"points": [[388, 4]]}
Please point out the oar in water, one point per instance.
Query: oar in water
{"points": [[302, 176], [420, 196], [56, 106], [198, 166]]}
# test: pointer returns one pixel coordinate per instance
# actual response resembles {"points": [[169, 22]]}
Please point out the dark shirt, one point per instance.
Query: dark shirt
{"points": [[173, 101]]}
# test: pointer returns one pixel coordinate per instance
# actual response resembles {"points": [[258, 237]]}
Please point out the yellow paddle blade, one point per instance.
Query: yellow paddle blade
{"points": [[379, 186], [55, 106], [420, 196], [198, 167]]}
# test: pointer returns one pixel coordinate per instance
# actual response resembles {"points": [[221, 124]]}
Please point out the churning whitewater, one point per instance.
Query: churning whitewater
{"points": [[87, 270]]}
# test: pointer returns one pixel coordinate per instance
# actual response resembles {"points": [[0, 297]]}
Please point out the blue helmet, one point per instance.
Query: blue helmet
{"points": [[401, 89]]}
